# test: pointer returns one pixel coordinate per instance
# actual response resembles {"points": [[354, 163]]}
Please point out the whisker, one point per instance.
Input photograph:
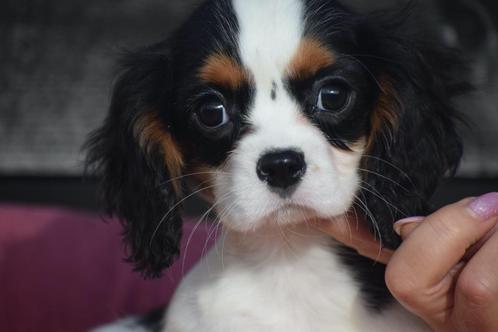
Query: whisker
{"points": [[222, 215], [173, 208], [384, 177], [203, 218], [185, 253], [373, 57], [350, 231], [370, 215], [217, 221], [378, 195], [390, 164], [286, 241], [364, 67], [186, 176]]}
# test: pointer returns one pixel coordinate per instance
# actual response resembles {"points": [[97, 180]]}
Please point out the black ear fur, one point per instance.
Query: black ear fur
{"points": [[419, 145], [135, 179]]}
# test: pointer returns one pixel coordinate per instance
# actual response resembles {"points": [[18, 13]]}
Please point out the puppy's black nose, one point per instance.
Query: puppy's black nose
{"points": [[281, 169]]}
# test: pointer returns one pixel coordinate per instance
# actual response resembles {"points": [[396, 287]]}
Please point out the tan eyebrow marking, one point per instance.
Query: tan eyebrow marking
{"points": [[310, 57], [150, 131], [223, 70]]}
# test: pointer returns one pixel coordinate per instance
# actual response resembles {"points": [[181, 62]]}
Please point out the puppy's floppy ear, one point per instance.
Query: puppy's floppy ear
{"points": [[139, 161], [413, 141]]}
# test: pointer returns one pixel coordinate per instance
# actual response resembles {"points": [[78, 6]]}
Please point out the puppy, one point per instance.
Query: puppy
{"points": [[284, 111]]}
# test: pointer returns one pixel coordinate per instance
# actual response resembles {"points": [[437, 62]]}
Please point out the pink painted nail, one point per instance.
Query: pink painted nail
{"points": [[486, 206], [399, 224]]}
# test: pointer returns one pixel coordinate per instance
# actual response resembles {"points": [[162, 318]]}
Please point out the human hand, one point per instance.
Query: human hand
{"points": [[446, 270]]}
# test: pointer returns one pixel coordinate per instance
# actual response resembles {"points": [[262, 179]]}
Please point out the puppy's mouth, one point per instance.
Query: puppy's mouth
{"points": [[291, 213]]}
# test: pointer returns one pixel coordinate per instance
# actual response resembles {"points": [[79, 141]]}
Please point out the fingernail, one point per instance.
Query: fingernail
{"points": [[399, 224], [485, 207]]}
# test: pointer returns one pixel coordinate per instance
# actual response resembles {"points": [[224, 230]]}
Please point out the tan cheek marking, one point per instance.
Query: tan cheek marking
{"points": [[346, 161], [223, 70], [359, 145], [310, 57], [384, 116], [151, 132]]}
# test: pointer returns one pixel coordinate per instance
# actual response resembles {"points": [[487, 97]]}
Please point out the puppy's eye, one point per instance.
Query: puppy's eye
{"points": [[333, 97], [213, 114]]}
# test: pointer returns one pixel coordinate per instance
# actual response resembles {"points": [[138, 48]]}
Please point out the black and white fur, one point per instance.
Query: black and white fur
{"points": [[378, 148]]}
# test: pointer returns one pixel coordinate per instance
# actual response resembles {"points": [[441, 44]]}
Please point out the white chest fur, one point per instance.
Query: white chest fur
{"points": [[276, 281]]}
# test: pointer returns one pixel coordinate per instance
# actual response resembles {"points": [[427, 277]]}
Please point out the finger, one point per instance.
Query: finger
{"points": [[405, 227], [475, 248], [353, 233], [438, 244], [409, 229], [476, 294]]}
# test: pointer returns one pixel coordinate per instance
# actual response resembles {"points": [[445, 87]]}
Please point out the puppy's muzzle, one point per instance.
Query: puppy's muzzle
{"points": [[282, 169]]}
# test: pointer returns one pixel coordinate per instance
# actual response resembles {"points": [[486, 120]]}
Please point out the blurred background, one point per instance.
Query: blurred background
{"points": [[56, 70]]}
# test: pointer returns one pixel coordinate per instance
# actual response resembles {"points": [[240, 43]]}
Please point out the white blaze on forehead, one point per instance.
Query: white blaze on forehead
{"points": [[270, 33]]}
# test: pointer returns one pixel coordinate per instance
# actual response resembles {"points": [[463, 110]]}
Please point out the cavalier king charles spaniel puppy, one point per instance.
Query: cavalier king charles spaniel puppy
{"points": [[284, 111]]}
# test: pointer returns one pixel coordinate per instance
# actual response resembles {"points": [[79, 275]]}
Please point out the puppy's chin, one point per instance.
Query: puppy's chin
{"points": [[291, 214], [288, 215]]}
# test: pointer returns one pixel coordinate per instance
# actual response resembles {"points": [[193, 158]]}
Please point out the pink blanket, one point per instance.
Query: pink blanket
{"points": [[64, 271]]}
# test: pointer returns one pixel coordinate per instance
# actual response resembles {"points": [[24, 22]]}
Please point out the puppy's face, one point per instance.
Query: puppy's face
{"points": [[283, 114], [284, 111]]}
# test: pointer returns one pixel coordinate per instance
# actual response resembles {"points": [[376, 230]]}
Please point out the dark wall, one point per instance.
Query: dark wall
{"points": [[56, 69]]}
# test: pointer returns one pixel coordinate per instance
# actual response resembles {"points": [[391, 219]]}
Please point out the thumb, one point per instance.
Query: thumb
{"points": [[353, 232]]}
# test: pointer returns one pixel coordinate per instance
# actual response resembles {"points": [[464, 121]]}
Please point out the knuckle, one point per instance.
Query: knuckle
{"points": [[445, 227], [399, 285], [475, 289]]}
